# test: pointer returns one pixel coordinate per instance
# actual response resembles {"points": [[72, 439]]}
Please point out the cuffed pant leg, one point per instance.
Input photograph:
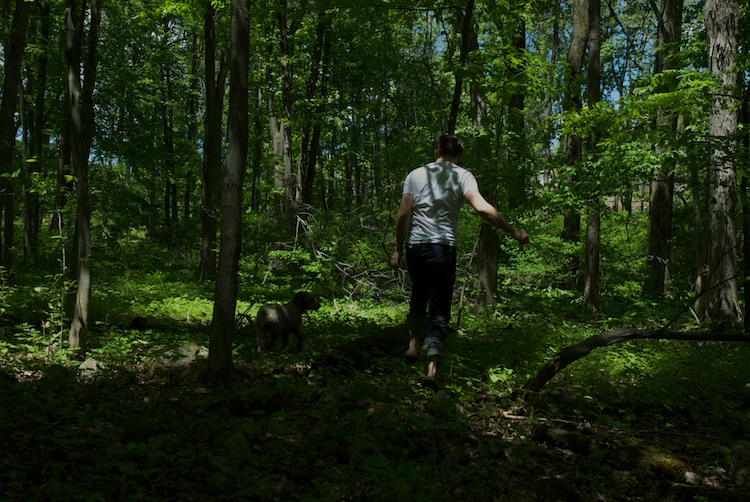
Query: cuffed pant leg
{"points": [[433, 272], [416, 325]]}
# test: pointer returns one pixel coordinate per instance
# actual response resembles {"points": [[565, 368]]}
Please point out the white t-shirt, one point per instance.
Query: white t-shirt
{"points": [[438, 190]]}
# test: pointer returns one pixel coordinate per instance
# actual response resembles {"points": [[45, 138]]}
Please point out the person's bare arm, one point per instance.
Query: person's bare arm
{"points": [[489, 214], [403, 220]]}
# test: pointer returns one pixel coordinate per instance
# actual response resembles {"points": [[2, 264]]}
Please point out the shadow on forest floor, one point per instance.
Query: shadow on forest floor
{"points": [[292, 429]]}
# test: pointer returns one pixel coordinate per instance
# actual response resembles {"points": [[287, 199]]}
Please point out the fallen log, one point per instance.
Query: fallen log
{"points": [[575, 352]]}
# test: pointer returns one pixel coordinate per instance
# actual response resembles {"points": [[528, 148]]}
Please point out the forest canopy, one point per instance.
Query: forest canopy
{"points": [[232, 130]]}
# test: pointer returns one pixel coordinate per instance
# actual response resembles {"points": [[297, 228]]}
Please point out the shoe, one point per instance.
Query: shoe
{"points": [[430, 383], [410, 360]]}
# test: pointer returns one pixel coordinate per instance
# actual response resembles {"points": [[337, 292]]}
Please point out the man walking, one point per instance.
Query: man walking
{"points": [[427, 223]]}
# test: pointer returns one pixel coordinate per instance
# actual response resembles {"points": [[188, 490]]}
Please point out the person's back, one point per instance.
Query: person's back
{"points": [[438, 189]]}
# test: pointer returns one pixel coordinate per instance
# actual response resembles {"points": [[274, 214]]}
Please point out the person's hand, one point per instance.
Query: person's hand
{"points": [[522, 238], [395, 258]]}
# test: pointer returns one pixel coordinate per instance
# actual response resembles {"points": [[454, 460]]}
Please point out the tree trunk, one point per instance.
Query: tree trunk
{"points": [[63, 185], [285, 46], [573, 144], [591, 287], [549, 101], [465, 21], [327, 175], [276, 130], [592, 281], [192, 127], [82, 124], [488, 243], [745, 250], [488, 253], [13, 52], [170, 196], [32, 218], [257, 151], [699, 197], [722, 299], [225, 299], [211, 177], [312, 161], [662, 184], [28, 195], [660, 230], [745, 121], [517, 180], [351, 162], [307, 114]]}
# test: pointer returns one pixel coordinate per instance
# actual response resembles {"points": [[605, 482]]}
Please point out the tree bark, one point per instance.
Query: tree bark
{"points": [[573, 144], [308, 148], [312, 160], [225, 300], [170, 195], [211, 173], [32, 218], [592, 280], [488, 243], [488, 254], [465, 21], [352, 168], [63, 184], [26, 166], [82, 125], [662, 184], [722, 298], [289, 181], [192, 126], [307, 116], [257, 150], [276, 130], [745, 250], [515, 174], [745, 159], [549, 101], [13, 52], [700, 197]]}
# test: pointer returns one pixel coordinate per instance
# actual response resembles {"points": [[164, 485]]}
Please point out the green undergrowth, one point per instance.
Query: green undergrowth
{"points": [[292, 429]]}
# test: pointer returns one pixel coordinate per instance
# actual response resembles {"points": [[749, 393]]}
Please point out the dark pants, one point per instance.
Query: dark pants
{"points": [[432, 268]]}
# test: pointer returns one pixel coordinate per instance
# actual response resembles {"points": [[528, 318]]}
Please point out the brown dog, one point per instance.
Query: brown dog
{"points": [[281, 320]]}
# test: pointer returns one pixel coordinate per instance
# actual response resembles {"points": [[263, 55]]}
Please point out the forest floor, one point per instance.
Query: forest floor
{"points": [[646, 421]]}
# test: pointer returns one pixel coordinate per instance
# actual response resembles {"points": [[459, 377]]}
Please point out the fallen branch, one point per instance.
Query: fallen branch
{"points": [[575, 352]]}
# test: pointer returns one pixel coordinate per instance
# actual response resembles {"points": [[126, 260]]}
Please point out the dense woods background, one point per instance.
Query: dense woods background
{"points": [[167, 167]]}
